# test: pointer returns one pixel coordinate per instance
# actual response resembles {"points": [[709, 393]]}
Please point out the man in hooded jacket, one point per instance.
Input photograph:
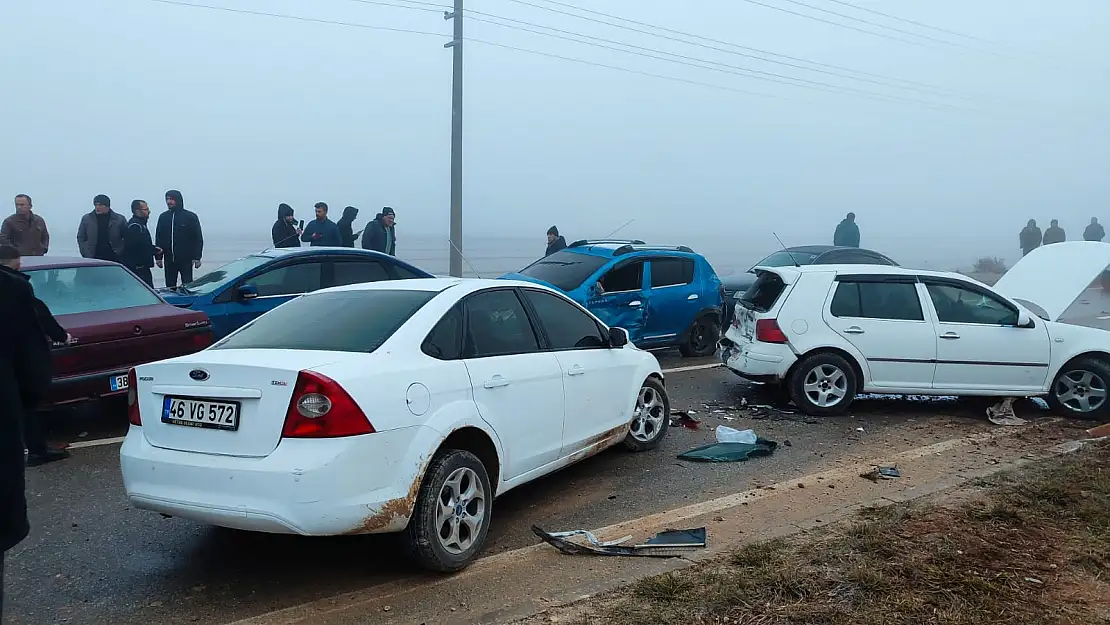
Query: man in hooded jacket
{"points": [[1030, 237], [285, 233], [381, 233], [138, 249], [179, 236], [847, 232], [555, 241], [346, 226]]}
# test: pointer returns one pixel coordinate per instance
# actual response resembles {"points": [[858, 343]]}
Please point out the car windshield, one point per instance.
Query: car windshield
{"points": [[72, 290], [214, 280], [787, 259], [564, 270], [337, 321]]}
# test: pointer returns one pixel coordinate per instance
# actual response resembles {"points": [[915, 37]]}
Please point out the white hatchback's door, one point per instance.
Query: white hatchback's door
{"points": [[517, 387], [598, 382], [881, 315], [979, 346]]}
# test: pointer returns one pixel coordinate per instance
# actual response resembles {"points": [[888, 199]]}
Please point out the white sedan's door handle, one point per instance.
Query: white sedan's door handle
{"points": [[496, 382], [950, 335], [634, 303], [853, 330], [576, 370], [692, 297]]}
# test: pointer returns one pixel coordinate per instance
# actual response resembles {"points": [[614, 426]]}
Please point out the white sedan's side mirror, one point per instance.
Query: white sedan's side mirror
{"points": [[1024, 320]]}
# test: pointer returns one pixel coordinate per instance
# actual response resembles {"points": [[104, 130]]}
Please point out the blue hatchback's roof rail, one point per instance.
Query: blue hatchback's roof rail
{"points": [[585, 242], [640, 247]]}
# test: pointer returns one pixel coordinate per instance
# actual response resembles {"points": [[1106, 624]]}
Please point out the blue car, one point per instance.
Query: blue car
{"points": [[244, 289], [663, 296]]}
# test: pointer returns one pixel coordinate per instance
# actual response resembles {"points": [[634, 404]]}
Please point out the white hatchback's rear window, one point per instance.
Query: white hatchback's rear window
{"points": [[72, 290]]}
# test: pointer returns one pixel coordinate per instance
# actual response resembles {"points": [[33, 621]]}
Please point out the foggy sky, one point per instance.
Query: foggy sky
{"points": [[240, 112]]}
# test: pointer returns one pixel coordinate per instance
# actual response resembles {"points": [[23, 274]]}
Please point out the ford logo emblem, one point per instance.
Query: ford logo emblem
{"points": [[199, 375]]}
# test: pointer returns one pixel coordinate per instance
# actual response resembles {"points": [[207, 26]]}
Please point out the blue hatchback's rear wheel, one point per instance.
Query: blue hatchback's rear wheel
{"points": [[701, 338]]}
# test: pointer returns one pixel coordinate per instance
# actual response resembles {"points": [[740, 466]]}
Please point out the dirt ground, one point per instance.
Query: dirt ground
{"points": [[1030, 546]]}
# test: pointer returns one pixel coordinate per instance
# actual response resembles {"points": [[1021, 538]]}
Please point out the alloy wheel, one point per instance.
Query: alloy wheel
{"points": [[825, 385], [1081, 391], [461, 511], [649, 415]]}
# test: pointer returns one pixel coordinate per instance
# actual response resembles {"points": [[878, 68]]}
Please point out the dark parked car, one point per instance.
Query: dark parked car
{"points": [[735, 285], [117, 320]]}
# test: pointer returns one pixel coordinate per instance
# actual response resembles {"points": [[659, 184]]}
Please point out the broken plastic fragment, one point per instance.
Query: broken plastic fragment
{"points": [[1002, 413], [666, 544], [882, 473], [731, 452]]}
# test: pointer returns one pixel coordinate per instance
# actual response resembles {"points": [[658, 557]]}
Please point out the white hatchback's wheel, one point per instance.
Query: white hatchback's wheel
{"points": [[1080, 389], [650, 418], [451, 517], [823, 384]]}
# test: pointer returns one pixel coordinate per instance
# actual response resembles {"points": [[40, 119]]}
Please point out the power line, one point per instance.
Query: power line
{"points": [[877, 24], [914, 23], [921, 85], [298, 18]]}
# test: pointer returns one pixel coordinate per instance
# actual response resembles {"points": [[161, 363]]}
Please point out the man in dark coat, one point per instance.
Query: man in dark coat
{"points": [[847, 232], [138, 249], [555, 241], [285, 233], [381, 233], [1030, 237], [1094, 231], [1054, 233], [179, 236], [321, 232], [346, 226], [100, 233]]}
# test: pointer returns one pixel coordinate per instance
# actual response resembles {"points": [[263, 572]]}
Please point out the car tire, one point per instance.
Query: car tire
{"points": [[701, 338], [450, 474], [823, 384], [651, 417], [1078, 385]]}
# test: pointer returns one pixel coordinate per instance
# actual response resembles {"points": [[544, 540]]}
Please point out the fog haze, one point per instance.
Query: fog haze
{"points": [[240, 112]]}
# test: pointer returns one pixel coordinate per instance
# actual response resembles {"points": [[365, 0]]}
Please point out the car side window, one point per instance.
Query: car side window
{"points": [[877, 300], [292, 279], [956, 304], [627, 277], [671, 272], [446, 338], [357, 272], [567, 326], [403, 273], [497, 325]]}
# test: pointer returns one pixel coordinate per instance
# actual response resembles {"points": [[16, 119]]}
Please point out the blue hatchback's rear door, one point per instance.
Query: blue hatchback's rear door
{"points": [[672, 299]]}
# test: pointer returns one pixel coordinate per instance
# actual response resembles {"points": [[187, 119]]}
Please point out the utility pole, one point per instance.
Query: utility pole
{"points": [[456, 45]]}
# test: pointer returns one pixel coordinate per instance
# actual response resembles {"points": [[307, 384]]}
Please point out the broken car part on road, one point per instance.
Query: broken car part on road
{"points": [[730, 452], [666, 544]]}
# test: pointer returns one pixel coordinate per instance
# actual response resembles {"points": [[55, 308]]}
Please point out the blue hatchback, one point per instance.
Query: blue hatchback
{"points": [[244, 289], [663, 296]]}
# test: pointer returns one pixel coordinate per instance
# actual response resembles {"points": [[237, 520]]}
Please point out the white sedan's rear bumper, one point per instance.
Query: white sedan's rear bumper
{"points": [[357, 485]]}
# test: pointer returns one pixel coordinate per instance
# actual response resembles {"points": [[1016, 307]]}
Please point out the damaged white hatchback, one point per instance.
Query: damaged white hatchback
{"points": [[826, 333], [402, 406]]}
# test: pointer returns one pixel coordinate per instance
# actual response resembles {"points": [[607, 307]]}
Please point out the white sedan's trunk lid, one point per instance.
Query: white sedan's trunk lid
{"points": [[1054, 276], [259, 382]]}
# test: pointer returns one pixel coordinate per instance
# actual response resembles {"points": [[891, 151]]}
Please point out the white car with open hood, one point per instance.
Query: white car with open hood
{"points": [[829, 332], [401, 406]]}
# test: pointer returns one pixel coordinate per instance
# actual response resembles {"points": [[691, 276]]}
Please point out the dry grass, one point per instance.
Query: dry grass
{"points": [[1032, 547]]}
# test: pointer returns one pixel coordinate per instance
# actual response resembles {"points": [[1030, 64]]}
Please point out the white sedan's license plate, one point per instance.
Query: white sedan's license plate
{"points": [[201, 413], [118, 383]]}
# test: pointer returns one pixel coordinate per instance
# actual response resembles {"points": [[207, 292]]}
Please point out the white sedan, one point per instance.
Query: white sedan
{"points": [[387, 407], [827, 332]]}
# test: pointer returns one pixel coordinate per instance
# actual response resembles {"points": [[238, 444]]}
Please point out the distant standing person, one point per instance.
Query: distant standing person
{"points": [[346, 226], [139, 252], [285, 232], [381, 233], [1094, 231], [1030, 237], [555, 241], [25, 231], [179, 236], [847, 232], [100, 234], [322, 232], [1054, 234]]}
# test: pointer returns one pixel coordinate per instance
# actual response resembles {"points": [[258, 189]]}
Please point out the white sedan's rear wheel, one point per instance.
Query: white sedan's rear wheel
{"points": [[451, 518]]}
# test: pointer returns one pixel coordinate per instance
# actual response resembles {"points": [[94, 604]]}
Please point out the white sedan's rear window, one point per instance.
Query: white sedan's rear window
{"points": [[339, 321], [72, 290]]}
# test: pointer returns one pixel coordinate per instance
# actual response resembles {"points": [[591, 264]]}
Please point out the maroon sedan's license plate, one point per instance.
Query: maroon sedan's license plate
{"points": [[118, 383]]}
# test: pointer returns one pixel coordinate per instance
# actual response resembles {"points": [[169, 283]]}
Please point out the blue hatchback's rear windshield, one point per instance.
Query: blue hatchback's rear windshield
{"points": [[564, 270]]}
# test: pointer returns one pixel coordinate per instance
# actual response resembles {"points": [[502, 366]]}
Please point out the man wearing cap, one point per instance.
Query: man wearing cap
{"points": [[100, 234], [555, 241], [380, 234]]}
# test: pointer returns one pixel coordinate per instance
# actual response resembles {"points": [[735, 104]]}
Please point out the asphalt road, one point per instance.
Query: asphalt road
{"points": [[92, 559]]}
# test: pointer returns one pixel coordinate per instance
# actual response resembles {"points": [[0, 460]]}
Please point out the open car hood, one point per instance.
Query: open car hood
{"points": [[1054, 276]]}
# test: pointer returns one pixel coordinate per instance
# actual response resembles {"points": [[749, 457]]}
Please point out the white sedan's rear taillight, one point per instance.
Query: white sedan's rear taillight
{"points": [[321, 408], [133, 399]]}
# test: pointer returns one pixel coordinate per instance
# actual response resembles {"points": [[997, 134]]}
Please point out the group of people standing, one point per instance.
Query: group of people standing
{"points": [[176, 246], [380, 234], [1031, 237]]}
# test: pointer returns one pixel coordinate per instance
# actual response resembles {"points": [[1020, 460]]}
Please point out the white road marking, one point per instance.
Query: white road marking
{"points": [[692, 368], [96, 442], [1104, 317]]}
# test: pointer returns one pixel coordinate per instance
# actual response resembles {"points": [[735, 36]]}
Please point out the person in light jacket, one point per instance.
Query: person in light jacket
{"points": [[100, 233]]}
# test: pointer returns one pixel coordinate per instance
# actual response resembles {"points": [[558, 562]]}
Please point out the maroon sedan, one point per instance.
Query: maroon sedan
{"points": [[116, 320]]}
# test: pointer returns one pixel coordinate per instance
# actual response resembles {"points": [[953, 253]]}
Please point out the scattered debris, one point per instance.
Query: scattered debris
{"points": [[682, 418], [1002, 413], [731, 452], [787, 443], [665, 544], [882, 473], [859, 429], [726, 434], [1099, 431]]}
